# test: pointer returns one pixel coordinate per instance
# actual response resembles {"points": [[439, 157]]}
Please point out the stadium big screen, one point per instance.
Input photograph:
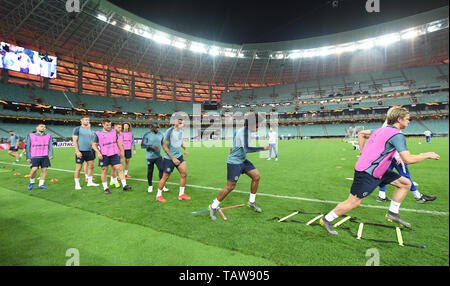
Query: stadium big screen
{"points": [[27, 61]]}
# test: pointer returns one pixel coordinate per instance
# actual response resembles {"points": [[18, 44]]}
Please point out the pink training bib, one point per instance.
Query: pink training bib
{"points": [[127, 140], [108, 143], [373, 151], [39, 145]]}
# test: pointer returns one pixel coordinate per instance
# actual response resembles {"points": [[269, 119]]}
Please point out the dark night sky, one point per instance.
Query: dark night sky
{"points": [[249, 21]]}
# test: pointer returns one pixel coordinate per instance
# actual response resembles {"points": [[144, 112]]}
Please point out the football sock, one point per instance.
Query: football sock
{"points": [[181, 191], [382, 194], [331, 216], [215, 204], [252, 198], [417, 194], [394, 207], [105, 185]]}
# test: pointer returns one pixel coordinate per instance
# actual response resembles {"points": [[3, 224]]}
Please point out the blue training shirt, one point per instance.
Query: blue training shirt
{"points": [[84, 138], [241, 142], [13, 140], [175, 139], [152, 139]]}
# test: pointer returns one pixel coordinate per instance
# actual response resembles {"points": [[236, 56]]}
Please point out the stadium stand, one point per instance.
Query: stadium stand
{"points": [[287, 131], [24, 94], [414, 128], [22, 130], [386, 81], [436, 126], [336, 129], [315, 130]]}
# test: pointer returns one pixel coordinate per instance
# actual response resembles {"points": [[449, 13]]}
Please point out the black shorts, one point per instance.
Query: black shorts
{"points": [[128, 154], [86, 156], [169, 165], [234, 171], [42, 162], [109, 160], [364, 183], [13, 149]]}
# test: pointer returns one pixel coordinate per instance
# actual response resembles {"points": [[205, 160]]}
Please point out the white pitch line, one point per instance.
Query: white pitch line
{"points": [[259, 194]]}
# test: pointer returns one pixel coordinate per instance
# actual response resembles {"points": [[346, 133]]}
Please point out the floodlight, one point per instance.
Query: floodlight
{"points": [[198, 48], [214, 51], [410, 34], [388, 39], [102, 17], [162, 39]]}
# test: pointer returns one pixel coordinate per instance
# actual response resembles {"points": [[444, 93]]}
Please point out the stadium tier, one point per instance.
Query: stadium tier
{"points": [[369, 126], [33, 95], [436, 126], [315, 130], [287, 131], [22, 130], [414, 128], [336, 129], [395, 81], [16, 93]]}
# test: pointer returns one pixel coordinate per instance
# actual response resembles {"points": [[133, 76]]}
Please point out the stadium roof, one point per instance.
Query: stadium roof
{"points": [[244, 22], [105, 34]]}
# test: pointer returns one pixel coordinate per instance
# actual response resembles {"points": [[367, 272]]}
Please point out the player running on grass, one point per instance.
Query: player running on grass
{"points": [[14, 145], [371, 168], [172, 144], [81, 138], [39, 153], [237, 164], [153, 142], [109, 153], [403, 170]]}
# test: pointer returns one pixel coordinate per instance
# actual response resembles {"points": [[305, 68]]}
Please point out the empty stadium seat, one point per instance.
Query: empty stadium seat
{"points": [[336, 129], [311, 130], [436, 126]]}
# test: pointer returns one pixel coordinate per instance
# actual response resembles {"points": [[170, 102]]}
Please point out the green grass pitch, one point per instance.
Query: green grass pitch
{"points": [[38, 227]]}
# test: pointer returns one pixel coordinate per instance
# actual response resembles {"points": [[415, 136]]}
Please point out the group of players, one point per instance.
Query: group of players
{"points": [[113, 147]]}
